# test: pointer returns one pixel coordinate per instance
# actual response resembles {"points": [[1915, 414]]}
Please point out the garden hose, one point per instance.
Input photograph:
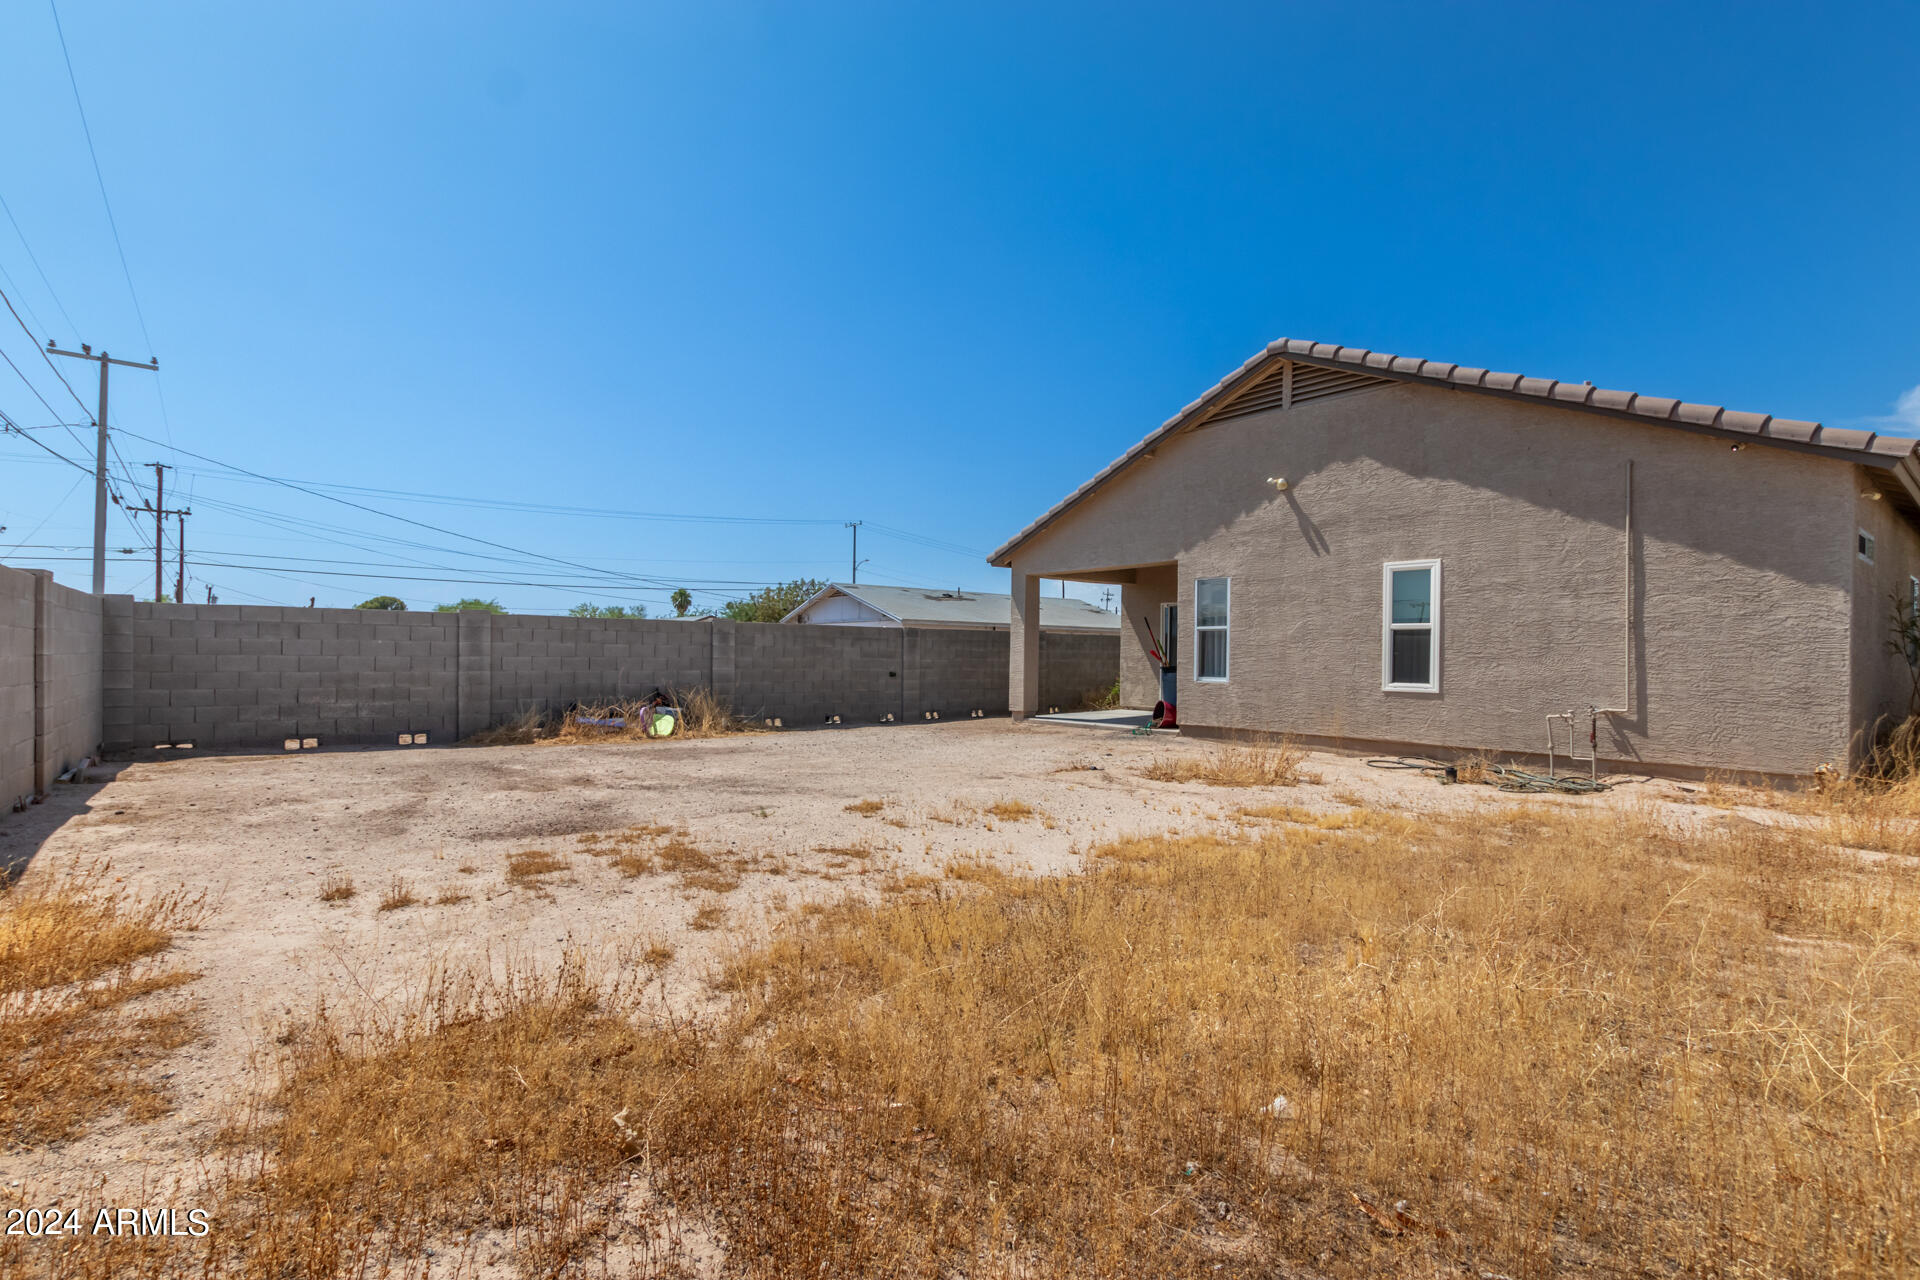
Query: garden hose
{"points": [[1499, 776]]}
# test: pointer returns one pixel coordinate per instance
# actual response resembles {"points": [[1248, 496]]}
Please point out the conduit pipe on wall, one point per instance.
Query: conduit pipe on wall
{"points": [[1626, 618]]}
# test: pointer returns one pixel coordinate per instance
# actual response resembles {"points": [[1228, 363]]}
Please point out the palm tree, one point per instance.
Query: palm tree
{"points": [[682, 601]]}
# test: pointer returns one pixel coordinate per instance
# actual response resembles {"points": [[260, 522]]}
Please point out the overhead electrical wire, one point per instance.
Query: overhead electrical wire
{"points": [[35, 339], [34, 259], [113, 224], [395, 577], [359, 506], [51, 512]]}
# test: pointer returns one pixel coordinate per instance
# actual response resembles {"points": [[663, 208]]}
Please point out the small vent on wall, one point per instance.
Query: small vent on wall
{"points": [[1268, 392], [1312, 382]]}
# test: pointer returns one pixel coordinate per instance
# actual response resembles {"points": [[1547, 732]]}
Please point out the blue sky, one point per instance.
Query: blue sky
{"points": [[925, 266]]}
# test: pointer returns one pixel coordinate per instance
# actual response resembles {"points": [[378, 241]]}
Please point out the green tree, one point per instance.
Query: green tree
{"points": [[773, 603], [470, 603], [682, 601], [382, 602], [588, 609]]}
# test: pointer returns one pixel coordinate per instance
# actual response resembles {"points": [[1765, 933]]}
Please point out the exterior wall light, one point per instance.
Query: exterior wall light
{"points": [[1278, 482]]}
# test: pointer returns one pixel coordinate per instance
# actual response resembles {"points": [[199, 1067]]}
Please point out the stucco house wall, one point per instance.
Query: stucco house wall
{"points": [[1745, 593], [1140, 603], [1882, 684]]}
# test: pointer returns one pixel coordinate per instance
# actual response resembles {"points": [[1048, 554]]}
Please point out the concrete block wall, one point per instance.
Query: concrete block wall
{"points": [[540, 661], [51, 674], [805, 674], [1073, 666], [16, 687], [957, 671], [245, 675], [250, 675]]}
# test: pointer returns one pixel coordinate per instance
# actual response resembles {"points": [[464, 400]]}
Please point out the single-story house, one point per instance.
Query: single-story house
{"points": [[848, 604], [1394, 554]]}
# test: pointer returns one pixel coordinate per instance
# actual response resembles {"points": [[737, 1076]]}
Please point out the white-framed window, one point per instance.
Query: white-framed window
{"points": [[1212, 607], [1410, 626], [1864, 546]]}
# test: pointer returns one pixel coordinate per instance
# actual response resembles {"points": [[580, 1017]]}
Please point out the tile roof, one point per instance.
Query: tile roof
{"points": [[1866, 447], [936, 607]]}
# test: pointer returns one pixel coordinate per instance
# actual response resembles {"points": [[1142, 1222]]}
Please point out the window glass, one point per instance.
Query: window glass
{"points": [[1210, 600], [1213, 655], [1410, 630], [1412, 595], [1412, 657]]}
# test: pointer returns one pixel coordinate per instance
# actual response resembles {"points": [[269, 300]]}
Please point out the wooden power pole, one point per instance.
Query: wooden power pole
{"points": [[160, 513], [100, 456]]}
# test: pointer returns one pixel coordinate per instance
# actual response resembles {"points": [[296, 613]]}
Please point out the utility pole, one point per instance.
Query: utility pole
{"points": [[855, 526], [180, 572], [100, 455], [160, 513]]}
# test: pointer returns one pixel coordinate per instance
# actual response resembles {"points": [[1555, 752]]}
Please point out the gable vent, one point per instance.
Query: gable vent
{"points": [[1312, 382], [1266, 393]]}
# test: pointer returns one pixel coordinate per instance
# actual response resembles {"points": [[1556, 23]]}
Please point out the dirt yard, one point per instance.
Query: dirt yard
{"points": [[774, 820], [724, 835]]}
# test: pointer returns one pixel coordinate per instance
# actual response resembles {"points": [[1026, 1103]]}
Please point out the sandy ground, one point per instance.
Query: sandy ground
{"points": [[261, 832]]}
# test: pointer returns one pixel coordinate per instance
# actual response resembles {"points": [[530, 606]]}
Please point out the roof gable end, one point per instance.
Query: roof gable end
{"points": [[1276, 376]]}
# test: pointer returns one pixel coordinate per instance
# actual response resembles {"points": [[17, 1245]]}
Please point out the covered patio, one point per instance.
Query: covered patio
{"points": [[1149, 632]]}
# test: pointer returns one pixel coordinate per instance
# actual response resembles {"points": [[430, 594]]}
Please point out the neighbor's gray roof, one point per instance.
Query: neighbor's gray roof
{"points": [[1893, 454], [933, 606]]}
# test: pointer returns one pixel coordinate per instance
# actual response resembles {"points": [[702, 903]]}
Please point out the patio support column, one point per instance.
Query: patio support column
{"points": [[1023, 662]]}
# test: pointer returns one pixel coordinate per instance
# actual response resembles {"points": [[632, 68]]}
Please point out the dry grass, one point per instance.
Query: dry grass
{"points": [[1524, 1043], [1875, 808], [711, 916], [76, 953], [528, 866], [399, 894], [337, 886], [703, 715], [451, 896], [1240, 764], [1010, 810], [866, 808]]}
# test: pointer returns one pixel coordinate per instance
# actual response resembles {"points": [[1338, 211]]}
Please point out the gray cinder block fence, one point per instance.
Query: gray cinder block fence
{"points": [[78, 671]]}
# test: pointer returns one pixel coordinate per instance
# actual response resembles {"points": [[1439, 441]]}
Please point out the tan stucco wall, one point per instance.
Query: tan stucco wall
{"points": [[1140, 603], [1881, 684], [1742, 560]]}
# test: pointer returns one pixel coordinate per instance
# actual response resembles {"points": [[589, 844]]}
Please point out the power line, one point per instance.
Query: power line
{"points": [[31, 257], [394, 577], [50, 514], [21, 431], [98, 177], [452, 533], [23, 377], [46, 360]]}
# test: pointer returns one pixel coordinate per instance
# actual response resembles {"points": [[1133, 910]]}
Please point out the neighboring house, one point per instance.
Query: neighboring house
{"points": [[1394, 554], [846, 604]]}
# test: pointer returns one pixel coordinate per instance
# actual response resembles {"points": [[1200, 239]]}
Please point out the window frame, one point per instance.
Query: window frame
{"points": [[1225, 629], [1388, 626], [1864, 545]]}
